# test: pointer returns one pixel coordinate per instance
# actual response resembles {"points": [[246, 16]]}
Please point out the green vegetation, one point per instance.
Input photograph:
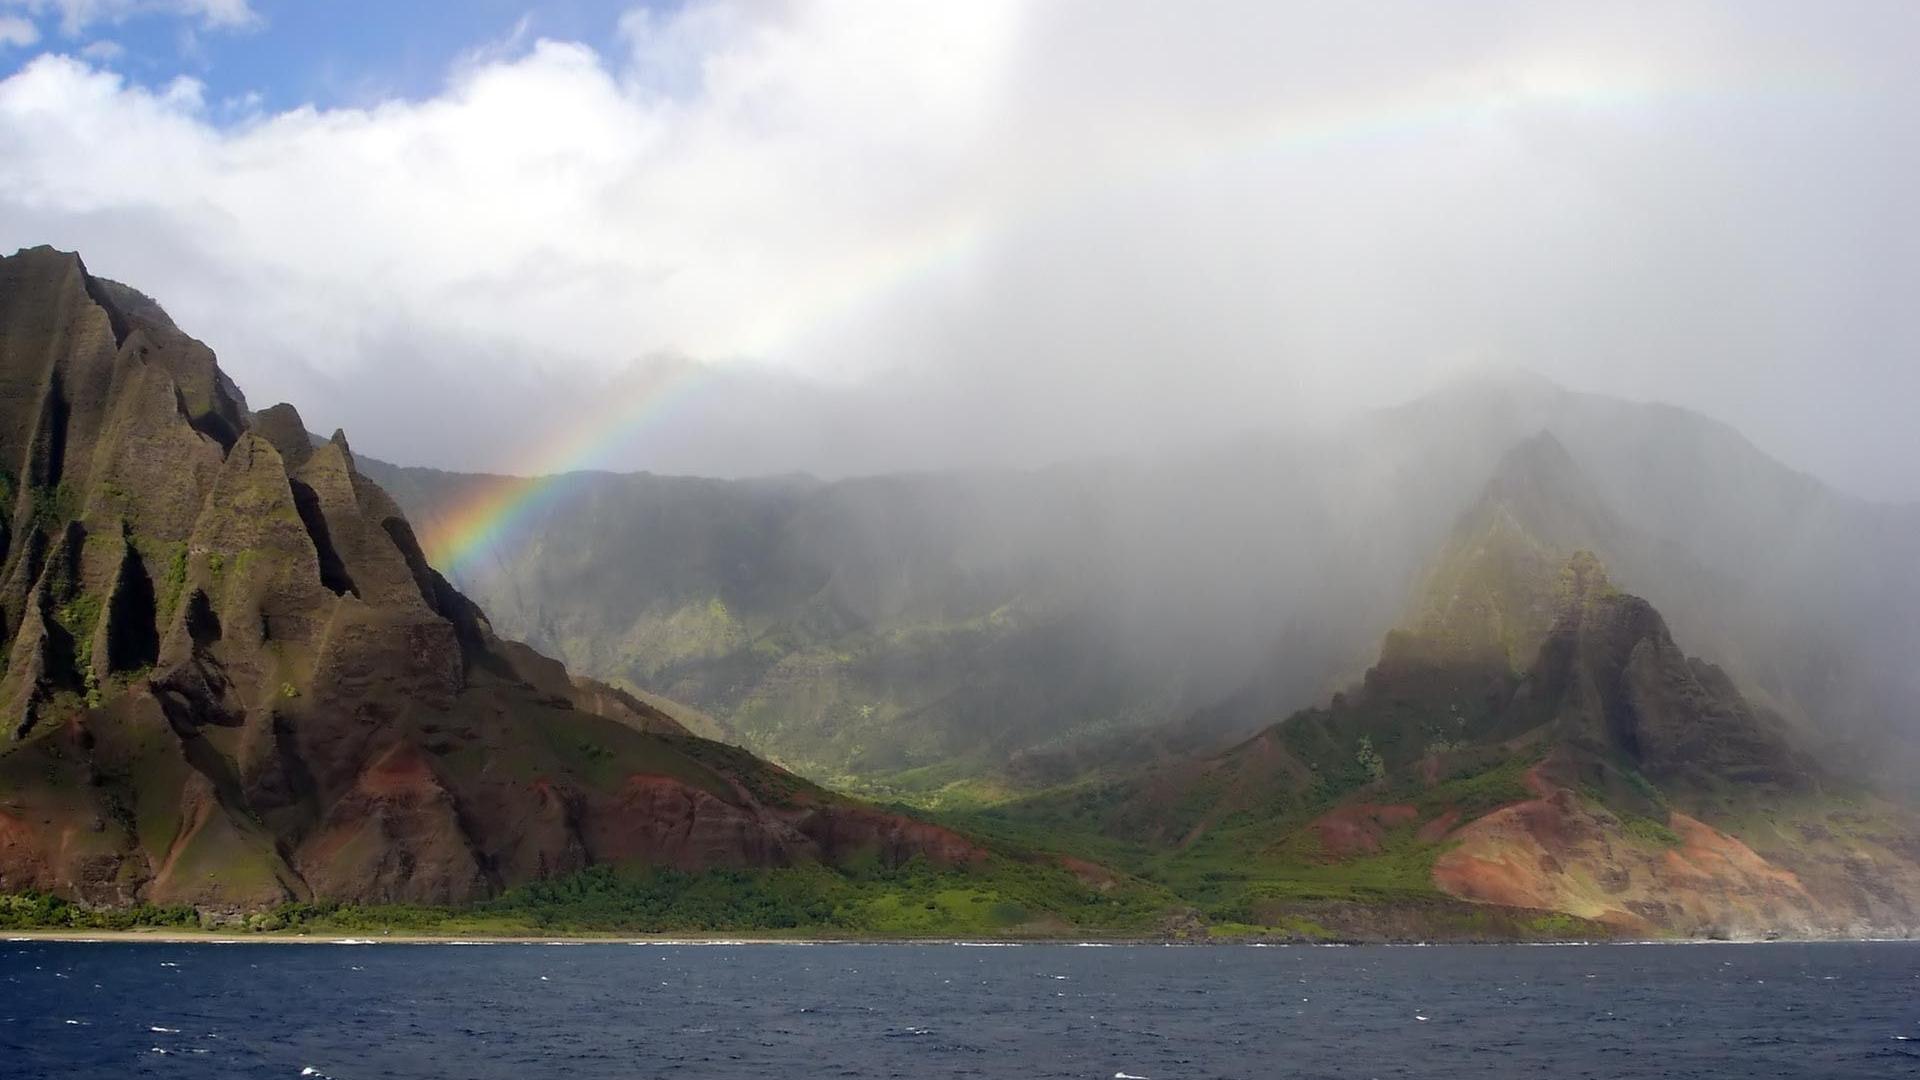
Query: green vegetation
{"points": [[1370, 760], [1559, 925], [1070, 820], [53, 506], [80, 616], [1647, 831], [175, 579], [39, 911], [1477, 793], [916, 899], [1260, 867], [1234, 881], [913, 900], [1286, 926]]}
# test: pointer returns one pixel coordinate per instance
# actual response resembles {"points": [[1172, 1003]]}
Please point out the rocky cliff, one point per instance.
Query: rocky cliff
{"points": [[232, 678], [1533, 738]]}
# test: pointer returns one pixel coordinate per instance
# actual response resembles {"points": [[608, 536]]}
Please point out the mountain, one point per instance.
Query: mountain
{"points": [[958, 636], [1530, 737], [232, 679]]}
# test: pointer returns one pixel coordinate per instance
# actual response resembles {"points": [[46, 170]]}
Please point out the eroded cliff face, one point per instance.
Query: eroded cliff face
{"points": [[1537, 735], [1665, 803], [231, 677], [1662, 800], [1560, 852]]}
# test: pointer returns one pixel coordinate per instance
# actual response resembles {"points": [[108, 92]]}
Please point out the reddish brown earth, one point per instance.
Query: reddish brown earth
{"points": [[1090, 874], [1560, 853], [1359, 828], [1436, 830]]}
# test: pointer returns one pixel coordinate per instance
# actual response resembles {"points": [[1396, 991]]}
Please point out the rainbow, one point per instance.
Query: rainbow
{"points": [[867, 276], [474, 523]]}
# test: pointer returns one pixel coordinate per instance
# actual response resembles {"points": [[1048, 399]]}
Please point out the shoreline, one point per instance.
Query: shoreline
{"points": [[209, 937]]}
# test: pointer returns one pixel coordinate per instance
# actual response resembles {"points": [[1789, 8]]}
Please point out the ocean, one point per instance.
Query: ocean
{"points": [[730, 1012]]}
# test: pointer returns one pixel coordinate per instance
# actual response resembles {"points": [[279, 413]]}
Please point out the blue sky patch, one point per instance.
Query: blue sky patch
{"points": [[304, 52]]}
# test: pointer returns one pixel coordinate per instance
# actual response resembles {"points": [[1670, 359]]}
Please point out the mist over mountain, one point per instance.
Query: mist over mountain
{"points": [[1529, 736], [921, 630]]}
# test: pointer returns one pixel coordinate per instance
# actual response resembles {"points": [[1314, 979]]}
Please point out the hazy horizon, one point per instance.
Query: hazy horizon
{"points": [[745, 239], [1224, 440]]}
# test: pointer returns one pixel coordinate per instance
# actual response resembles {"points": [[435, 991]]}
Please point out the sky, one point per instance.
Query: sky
{"points": [[848, 237]]}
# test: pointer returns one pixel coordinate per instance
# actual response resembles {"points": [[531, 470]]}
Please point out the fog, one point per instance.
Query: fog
{"points": [[867, 237]]}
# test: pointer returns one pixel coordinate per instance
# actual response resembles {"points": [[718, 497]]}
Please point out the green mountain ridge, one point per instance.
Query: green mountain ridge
{"points": [[952, 638]]}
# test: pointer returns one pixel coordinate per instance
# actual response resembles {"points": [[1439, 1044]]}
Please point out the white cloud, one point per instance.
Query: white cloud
{"points": [[1026, 231], [17, 32], [103, 51], [542, 198], [78, 15]]}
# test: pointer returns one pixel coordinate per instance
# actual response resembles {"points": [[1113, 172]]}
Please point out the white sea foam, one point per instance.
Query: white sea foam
{"points": [[163, 1030]]}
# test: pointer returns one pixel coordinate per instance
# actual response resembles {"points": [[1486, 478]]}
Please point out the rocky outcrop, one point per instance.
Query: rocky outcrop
{"points": [[1656, 799], [232, 678]]}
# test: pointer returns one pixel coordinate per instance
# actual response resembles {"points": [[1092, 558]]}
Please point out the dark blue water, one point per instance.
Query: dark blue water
{"points": [[350, 1012]]}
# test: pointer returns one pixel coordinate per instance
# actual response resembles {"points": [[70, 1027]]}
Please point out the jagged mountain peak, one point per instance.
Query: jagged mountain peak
{"points": [[1546, 492], [1625, 694], [1609, 777], [231, 672], [1539, 459], [281, 425], [1489, 597]]}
